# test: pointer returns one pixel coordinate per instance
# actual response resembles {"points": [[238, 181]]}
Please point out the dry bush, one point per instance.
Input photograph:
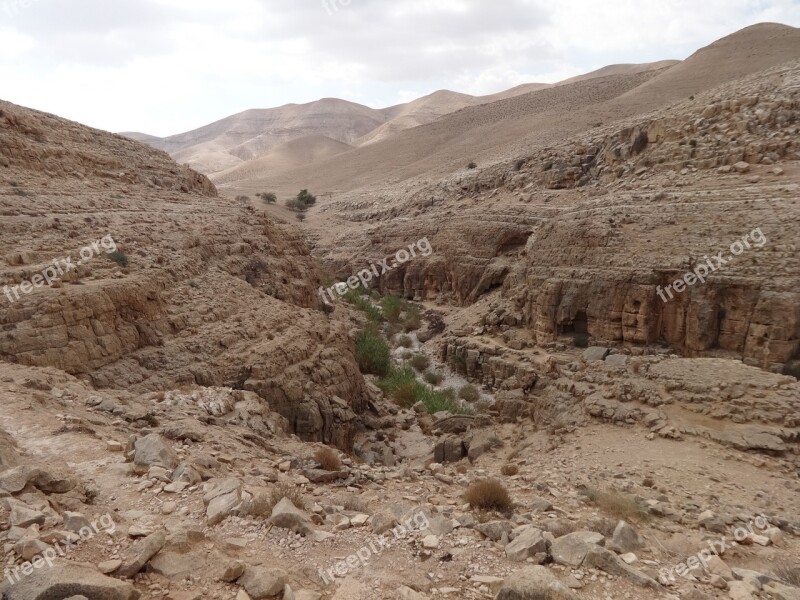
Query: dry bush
{"points": [[404, 341], [355, 504], [469, 393], [617, 505], [420, 362], [328, 459], [788, 573], [509, 470], [281, 491], [489, 494]]}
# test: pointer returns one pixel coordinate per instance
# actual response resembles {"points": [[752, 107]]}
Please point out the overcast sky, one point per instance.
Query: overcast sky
{"points": [[167, 66]]}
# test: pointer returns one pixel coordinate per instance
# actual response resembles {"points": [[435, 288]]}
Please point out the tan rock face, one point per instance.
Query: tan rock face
{"points": [[203, 290]]}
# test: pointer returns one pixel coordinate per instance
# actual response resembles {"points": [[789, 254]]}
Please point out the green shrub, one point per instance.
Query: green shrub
{"points": [[413, 318], [393, 307], [372, 352], [402, 386], [469, 393], [120, 258], [420, 362], [268, 197], [404, 341], [363, 304], [434, 377]]}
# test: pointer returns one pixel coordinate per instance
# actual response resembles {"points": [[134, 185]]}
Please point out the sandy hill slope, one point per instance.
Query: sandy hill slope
{"points": [[201, 290], [418, 112], [253, 133], [489, 132], [294, 153], [747, 51]]}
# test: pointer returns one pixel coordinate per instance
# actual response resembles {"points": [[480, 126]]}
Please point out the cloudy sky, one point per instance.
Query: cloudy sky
{"points": [[167, 66]]}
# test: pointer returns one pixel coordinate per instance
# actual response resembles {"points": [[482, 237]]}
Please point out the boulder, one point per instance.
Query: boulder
{"points": [[65, 580], [596, 353], [154, 450], [534, 583], [287, 516], [527, 544], [450, 449], [135, 558], [625, 539], [571, 549], [600, 558], [260, 582]]}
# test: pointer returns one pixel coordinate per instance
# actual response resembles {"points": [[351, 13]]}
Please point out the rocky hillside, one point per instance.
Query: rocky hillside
{"points": [[180, 286]]}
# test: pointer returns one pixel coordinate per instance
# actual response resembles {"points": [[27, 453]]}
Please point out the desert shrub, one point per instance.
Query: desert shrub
{"points": [[450, 392], [402, 386], [792, 369], [281, 491], [300, 216], [434, 377], [581, 340], [363, 304], [519, 164], [489, 494], [469, 393], [472, 165], [354, 504], [120, 258], [392, 308], [617, 504], [306, 199], [404, 341], [372, 352], [243, 198], [268, 197], [509, 470], [458, 363], [788, 573], [328, 459], [413, 318], [420, 361]]}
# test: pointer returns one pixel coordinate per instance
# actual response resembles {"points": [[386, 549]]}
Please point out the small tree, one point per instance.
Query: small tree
{"points": [[268, 197], [304, 197]]}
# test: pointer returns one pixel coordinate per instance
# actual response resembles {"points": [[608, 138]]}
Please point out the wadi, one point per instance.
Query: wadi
{"points": [[542, 343]]}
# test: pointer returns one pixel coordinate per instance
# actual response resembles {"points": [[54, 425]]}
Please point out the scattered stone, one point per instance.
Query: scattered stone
{"points": [[261, 582], [527, 544], [136, 557]]}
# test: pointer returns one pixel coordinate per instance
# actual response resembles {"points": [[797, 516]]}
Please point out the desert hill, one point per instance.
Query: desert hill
{"points": [[489, 132], [225, 144]]}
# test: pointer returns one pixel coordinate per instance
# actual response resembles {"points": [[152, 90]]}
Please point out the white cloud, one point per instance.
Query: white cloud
{"points": [[164, 66]]}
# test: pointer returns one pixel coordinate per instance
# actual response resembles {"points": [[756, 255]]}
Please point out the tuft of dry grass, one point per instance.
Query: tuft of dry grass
{"points": [[355, 504], [328, 459], [509, 470], [788, 573], [489, 494], [617, 505], [281, 491]]}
